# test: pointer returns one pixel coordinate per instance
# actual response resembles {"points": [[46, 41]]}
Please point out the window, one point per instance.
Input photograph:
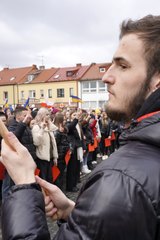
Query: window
{"points": [[89, 104], [69, 73], [41, 93], [22, 94], [5, 95], [93, 104], [30, 77], [102, 87], [32, 93], [49, 93], [85, 105], [89, 87], [85, 87], [102, 69], [60, 92], [93, 86], [12, 78], [71, 91], [101, 104]]}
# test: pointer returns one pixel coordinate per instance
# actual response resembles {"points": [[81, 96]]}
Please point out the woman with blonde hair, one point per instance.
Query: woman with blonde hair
{"points": [[44, 140]]}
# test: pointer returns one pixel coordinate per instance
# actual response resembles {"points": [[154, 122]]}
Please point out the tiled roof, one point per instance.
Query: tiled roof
{"points": [[69, 73], [40, 76], [14, 75], [94, 71]]}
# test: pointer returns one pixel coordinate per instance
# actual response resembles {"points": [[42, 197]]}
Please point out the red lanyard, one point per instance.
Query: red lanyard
{"points": [[146, 116]]}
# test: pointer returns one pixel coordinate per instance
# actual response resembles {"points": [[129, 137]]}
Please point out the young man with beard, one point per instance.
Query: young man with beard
{"points": [[121, 198]]}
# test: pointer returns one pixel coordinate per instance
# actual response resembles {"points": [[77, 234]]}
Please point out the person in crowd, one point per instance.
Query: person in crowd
{"points": [[3, 117], [76, 147], [105, 129], [88, 139], [53, 111], [62, 146], [92, 156], [121, 198], [44, 140], [19, 125], [8, 112], [10, 115]]}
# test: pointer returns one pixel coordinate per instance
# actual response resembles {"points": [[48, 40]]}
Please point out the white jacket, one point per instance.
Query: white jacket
{"points": [[42, 138]]}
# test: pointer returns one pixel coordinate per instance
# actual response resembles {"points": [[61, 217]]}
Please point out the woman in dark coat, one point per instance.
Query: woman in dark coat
{"points": [[75, 141], [62, 147]]}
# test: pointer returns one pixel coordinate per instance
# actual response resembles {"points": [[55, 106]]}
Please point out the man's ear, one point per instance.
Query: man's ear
{"points": [[155, 82]]}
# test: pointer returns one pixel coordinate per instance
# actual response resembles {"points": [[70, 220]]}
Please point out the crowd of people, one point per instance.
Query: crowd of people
{"points": [[64, 143]]}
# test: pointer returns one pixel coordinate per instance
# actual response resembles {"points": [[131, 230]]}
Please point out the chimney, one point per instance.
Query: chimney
{"points": [[41, 67], [34, 67], [6, 68], [78, 65]]}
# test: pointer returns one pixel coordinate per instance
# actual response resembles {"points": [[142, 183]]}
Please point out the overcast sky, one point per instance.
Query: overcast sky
{"points": [[59, 33]]}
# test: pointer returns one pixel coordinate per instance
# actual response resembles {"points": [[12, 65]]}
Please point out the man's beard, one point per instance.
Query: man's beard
{"points": [[134, 104]]}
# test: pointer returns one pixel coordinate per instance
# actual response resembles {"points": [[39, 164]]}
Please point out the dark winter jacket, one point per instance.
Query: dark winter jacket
{"points": [[105, 128], [120, 200], [62, 144], [24, 134], [87, 132], [73, 136]]}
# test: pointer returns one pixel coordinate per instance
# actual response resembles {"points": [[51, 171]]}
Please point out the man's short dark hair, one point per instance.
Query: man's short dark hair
{"points": [[2, 114], [19, 109]]}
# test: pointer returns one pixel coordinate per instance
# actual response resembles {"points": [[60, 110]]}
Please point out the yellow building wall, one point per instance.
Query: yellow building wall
{"points": [[12, 94], [66, 85]]}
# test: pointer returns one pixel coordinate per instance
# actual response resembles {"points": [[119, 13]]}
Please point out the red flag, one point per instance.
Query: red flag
{"points": [[91, 147], [2, 171], [44, 104], [107, 142], [37, 171], [55, 172], [95, 143], [67, 157], [113, 137]]}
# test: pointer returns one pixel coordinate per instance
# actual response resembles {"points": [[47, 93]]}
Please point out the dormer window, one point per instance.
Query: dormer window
{"points": [[72, 72], [102, 69], [30, 77], [69, 73]]}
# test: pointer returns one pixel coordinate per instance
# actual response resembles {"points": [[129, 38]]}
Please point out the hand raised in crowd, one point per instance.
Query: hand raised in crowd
{"points": [[28, 117], [43, 124], [57, 205], [17, 160], [55, 161]]}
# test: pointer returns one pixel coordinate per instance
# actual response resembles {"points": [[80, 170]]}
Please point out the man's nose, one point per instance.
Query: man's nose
{"points": [[108, 77]]}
